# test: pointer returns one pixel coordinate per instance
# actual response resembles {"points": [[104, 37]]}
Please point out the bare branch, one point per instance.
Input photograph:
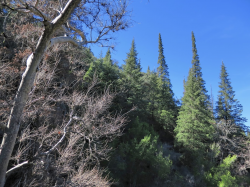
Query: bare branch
{"points": [[37, 12], [78, 31], [64, 134], [16, 168], [61, 5], [39, 103], [37, 2], [69, 7], [63, 39]]}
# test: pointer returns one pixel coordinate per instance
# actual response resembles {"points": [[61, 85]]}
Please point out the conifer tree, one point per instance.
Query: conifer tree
{"points": [[167, 107], [162, 70], [107, 59], [228, 108], [151, 91], [132, 68], [194, 125], [104, 69], [132, 77], [184, 82], [196, 67]]}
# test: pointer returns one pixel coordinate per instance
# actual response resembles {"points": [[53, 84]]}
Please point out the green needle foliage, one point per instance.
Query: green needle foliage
{"points": [[162, 70], [131, 79], [228, 108], [165, 87], [167, 109], [104, 69], [107, 59], [132, 68], [194, 125], [151, 90], [140, 157]]}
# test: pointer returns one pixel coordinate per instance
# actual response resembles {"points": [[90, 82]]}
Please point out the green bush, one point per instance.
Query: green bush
{"points": [[221, 176]]}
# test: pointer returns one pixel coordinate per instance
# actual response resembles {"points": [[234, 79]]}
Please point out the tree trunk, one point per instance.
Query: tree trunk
{"points": [[26, 84]]}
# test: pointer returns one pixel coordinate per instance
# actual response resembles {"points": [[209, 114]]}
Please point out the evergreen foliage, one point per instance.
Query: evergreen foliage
{"points": [[163, 82], [140, 157], [145, 154], [131, 79], [151, 91], [227, 107], [167, 109], [158, 144], [132, 67], [104, 69], [194, 125], [162, 70], [107, 59]]}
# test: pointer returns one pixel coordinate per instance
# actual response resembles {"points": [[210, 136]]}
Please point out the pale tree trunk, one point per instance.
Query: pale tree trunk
{"points": [[26, 84]]}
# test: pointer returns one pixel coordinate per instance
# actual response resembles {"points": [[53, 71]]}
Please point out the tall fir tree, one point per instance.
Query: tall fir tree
{"points": [[197, 68], [167, 109], [132, 67], [132, 77], [227, 107], [151, 91], [194, 125], [162, 70]]}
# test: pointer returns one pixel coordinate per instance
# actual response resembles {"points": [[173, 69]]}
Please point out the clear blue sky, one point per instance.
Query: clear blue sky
{"points": [[222, 31]]}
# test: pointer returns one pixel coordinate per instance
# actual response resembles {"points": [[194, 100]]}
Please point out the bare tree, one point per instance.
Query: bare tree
{"points": [[64, 132], [62, 154], [230, 139], [226, 137], [62, 20]]}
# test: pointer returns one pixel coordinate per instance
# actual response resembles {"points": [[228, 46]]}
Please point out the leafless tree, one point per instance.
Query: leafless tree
{"points": [[62, 154], [63, 128], [90, 21], [231, 140]]}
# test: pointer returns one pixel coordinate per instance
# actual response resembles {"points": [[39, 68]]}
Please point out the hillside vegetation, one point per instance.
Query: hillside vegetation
{"points": [[90, 122]]}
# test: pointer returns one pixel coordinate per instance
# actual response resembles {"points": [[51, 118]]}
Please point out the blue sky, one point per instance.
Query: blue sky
{"points": [[222, 32]]}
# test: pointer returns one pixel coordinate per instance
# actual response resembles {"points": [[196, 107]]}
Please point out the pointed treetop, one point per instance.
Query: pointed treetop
{"points": [[108, 53], [132, 52], [184, 82], [195, 61], [194, 115], [107, 59], [196, 68], [131, 61], [162, 69], [132, 49], [194, 49], [148, 70], [224, 78], [228, 108]]}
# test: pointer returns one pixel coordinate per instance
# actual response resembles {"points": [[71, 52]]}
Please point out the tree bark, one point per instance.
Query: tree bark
{"points": [[26, 84]]}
